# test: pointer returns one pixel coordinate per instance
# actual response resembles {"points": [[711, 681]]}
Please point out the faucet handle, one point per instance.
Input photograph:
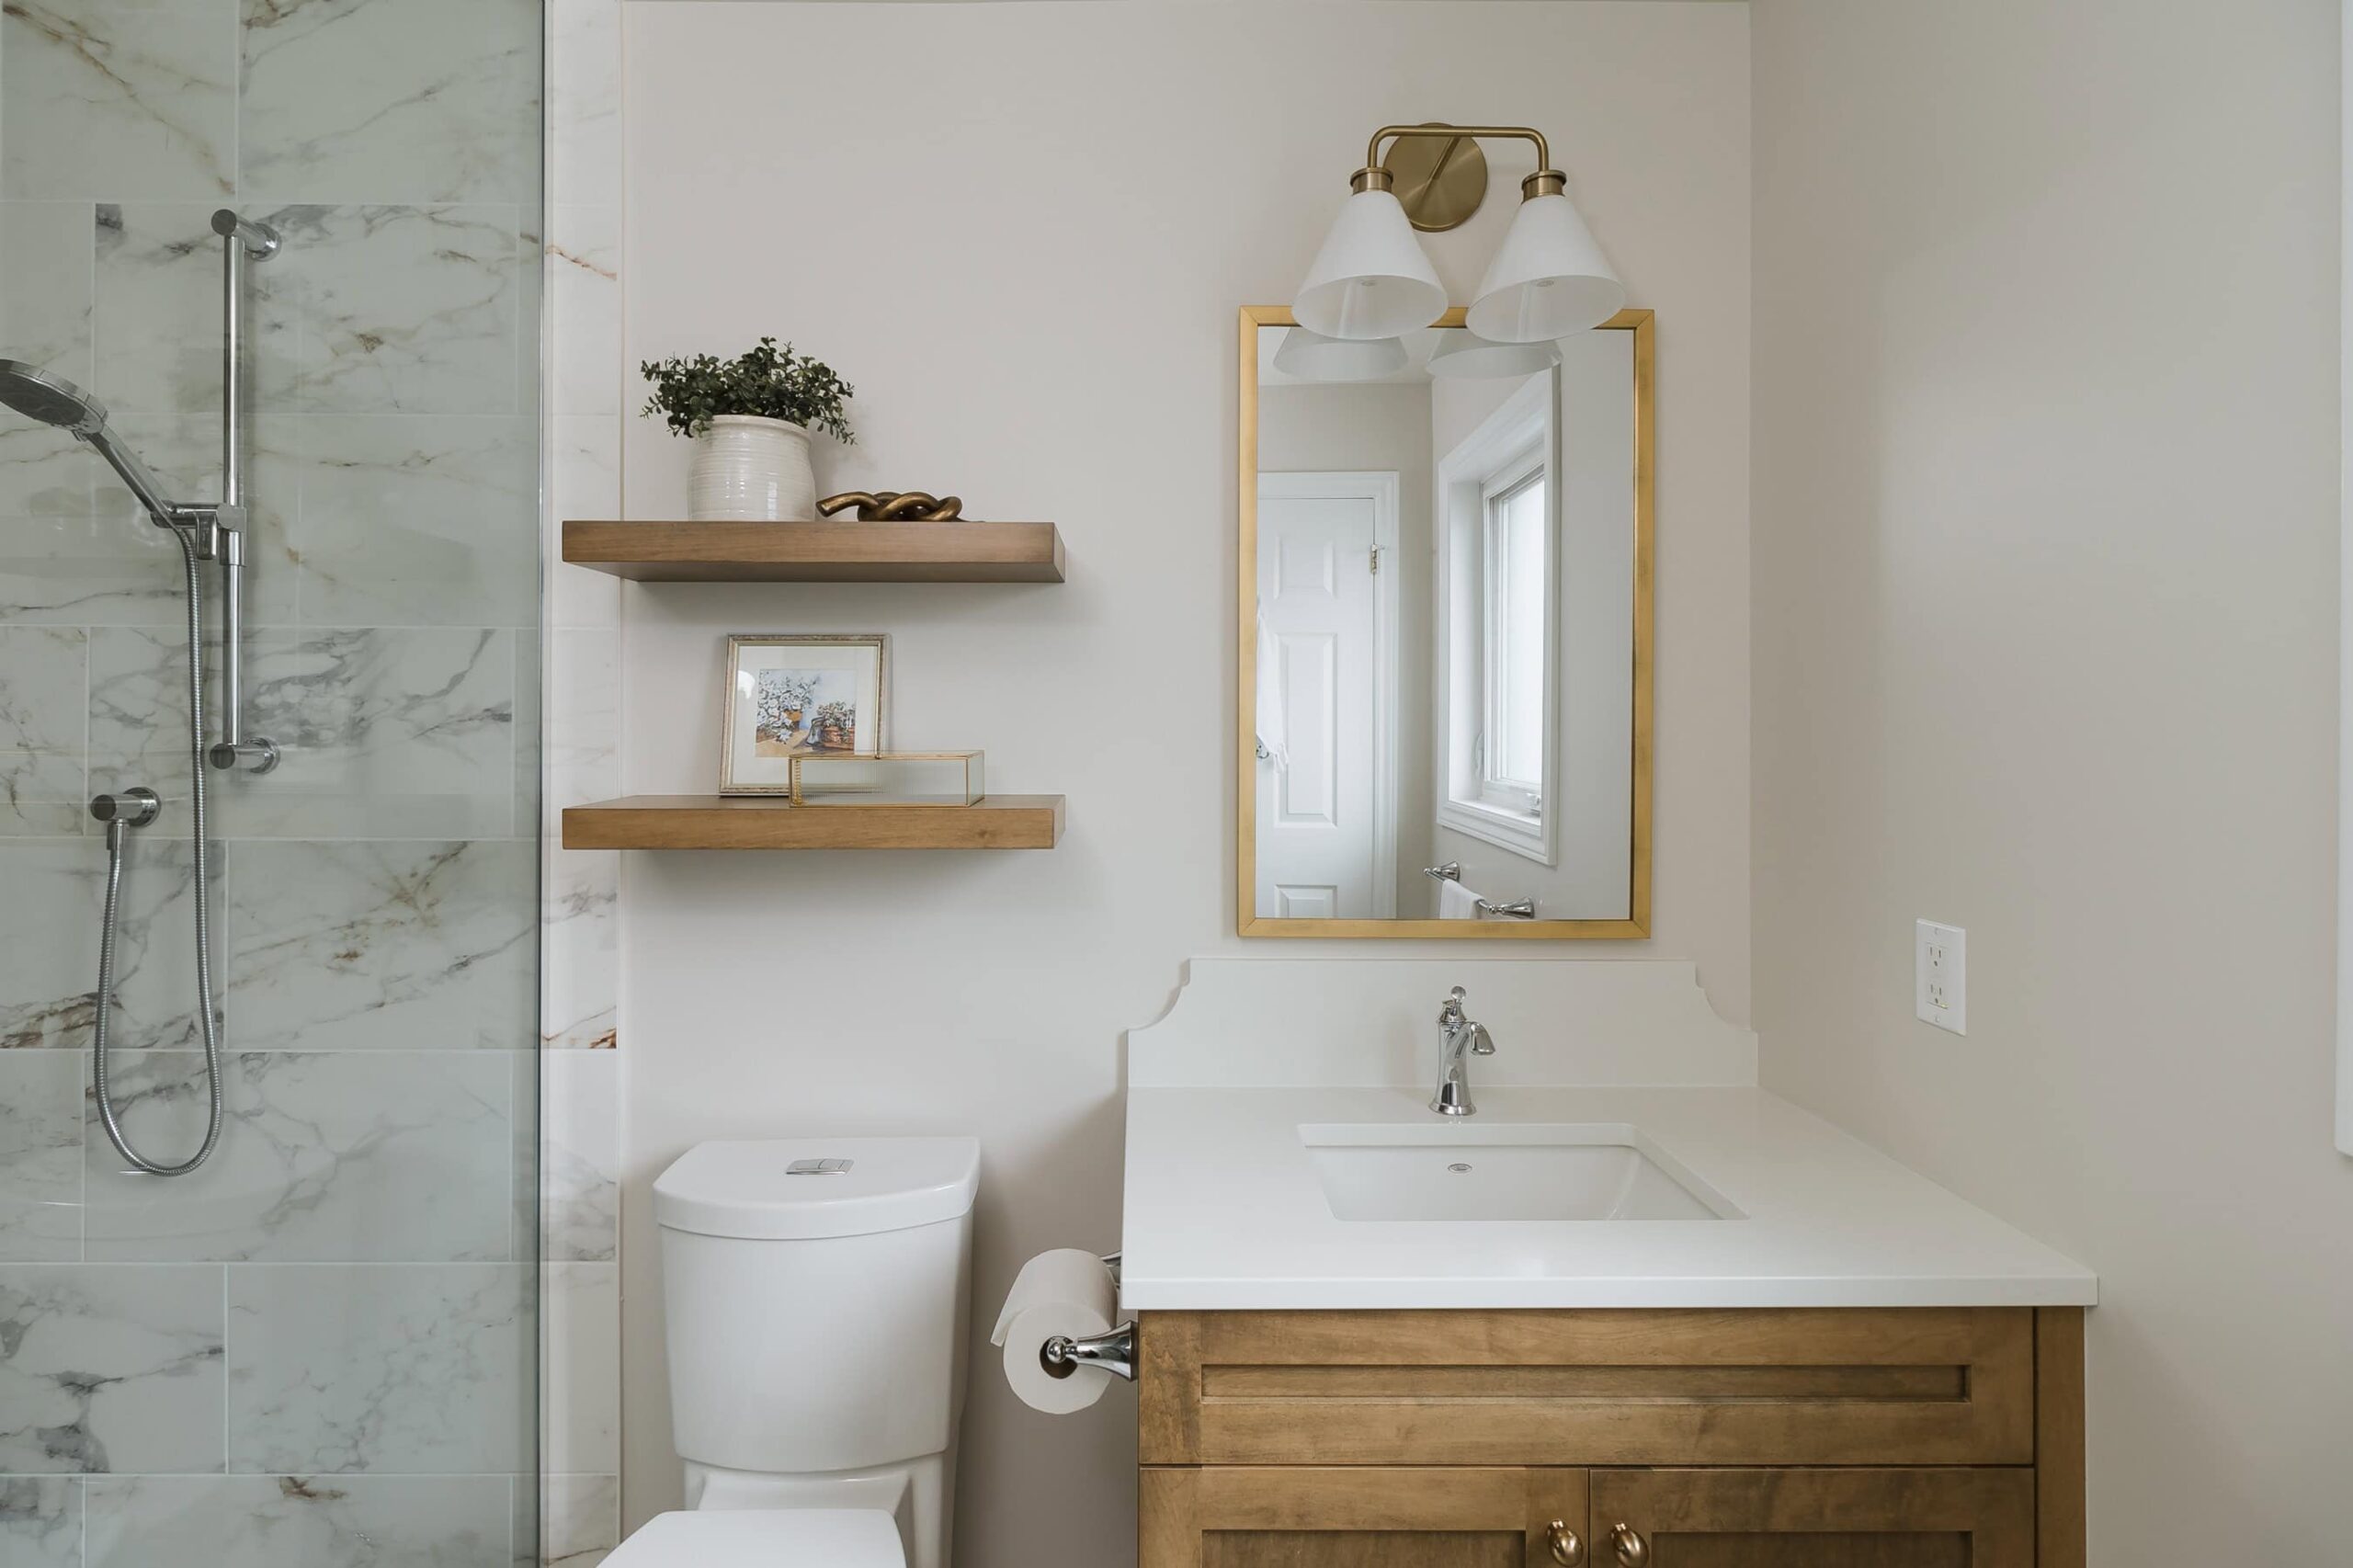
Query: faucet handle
{"points": [[1449, 1012]]}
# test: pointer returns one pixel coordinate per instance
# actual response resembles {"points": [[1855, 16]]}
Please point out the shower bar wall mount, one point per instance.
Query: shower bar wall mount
{"points": [[241, 239]]}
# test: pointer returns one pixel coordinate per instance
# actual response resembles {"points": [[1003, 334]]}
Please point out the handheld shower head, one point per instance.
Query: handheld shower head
{"points": [[53, 400]]}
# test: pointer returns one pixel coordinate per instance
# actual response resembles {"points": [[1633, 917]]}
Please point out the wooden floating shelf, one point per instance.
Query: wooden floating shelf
{"points": [[753, 822], [953, 552]]}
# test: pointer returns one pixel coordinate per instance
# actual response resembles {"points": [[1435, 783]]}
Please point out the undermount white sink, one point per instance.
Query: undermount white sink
{"points": [[1502, 1171]]}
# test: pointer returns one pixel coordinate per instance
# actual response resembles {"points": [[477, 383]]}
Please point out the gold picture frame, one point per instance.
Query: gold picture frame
{"points": [[818, 674]]}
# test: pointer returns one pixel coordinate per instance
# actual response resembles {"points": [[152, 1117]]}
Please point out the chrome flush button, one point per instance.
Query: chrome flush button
{"points": [[819, 1168]]}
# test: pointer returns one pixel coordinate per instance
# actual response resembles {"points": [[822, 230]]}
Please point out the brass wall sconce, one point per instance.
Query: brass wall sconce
{"points": [[1439, 173], [1372, 280]]}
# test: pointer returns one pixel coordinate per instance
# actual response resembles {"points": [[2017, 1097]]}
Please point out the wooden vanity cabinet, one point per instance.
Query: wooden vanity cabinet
{"points": [[1868, 1437], [1365, 1517], [1812, 1519]]}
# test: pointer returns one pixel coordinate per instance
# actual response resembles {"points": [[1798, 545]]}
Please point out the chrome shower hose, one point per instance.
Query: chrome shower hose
{"points": [[118, 845]]}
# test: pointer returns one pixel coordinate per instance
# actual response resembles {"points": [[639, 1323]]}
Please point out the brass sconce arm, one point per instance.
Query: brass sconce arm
{"points": [[1489, 132], [1439, 175]]}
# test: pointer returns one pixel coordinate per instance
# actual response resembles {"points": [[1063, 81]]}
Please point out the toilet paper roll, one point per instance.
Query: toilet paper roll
{"points": [[1064, 1291]]}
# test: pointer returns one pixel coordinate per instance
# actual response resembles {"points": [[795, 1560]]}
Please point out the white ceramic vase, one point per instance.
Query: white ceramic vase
{"points": [[748, 469]]}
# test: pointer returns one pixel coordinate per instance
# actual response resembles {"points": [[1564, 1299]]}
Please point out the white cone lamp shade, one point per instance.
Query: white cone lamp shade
{"points": [[1311, 356], [1465, 356], [1548, 280], [1370, 279]]}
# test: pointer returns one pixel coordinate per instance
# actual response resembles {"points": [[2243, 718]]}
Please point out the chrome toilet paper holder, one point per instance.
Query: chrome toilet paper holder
{"points": [[1114, 1352]]}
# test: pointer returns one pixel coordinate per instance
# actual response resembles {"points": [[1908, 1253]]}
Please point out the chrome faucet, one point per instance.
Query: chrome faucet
{"points": [[1463, 1040]]}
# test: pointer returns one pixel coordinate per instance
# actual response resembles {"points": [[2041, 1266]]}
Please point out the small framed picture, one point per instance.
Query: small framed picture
{"points": [[791, 697]]}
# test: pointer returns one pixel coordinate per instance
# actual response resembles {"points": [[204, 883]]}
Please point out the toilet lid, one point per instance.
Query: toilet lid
{"points": [[807, 1188], [764, 1538]]}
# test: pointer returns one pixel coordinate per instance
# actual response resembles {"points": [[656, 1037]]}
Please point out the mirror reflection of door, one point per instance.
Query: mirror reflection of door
{"points": [[1448, 566], [1326, 696]]}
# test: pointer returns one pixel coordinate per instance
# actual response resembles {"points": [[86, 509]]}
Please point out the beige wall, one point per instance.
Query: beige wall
{"points": [[2045, 632], [1027, 255]]}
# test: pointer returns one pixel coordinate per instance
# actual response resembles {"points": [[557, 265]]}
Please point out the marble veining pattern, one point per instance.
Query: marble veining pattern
{"points": [[382, 945], [579, 1156], [580, 946], [44, 472], [48, 946], [392, 1156], [580, 1421], [388, 731], [584, 280], [583, 1519], [94, 559], [582, 890], [397, 309], [45, 254], [41, 1156], [300, 1521], [133, 98], [40, 1522], [584, 129], [406, 100], [339, 1368], [581, 918], [394, 486], [584, 480], [408, 521], [44, 672], [156, 300], [111, 1369]]}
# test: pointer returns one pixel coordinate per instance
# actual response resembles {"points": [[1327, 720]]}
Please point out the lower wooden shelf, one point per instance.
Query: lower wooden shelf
{"points": [[753, 822]]}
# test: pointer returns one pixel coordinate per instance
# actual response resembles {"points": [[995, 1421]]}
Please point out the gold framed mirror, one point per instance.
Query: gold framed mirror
{"points": [[1446, 625]]}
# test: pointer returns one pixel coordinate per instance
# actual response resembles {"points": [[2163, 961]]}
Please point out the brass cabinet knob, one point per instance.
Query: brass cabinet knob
{"points": [[1633, 1550], [1568, 1546]]}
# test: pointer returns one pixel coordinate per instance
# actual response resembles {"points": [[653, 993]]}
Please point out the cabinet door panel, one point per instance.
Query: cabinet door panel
{"points": [[1753, 1386], [1356, 1518], [1815, 1518], [1915, 1549], [1355, 1548]]}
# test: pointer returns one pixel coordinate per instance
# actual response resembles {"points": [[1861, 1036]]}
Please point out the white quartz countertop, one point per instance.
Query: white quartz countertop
{"points": [[1225, 1210]]}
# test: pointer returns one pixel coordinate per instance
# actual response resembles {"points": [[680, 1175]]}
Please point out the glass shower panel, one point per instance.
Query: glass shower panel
{"points": [[318, 1349]]}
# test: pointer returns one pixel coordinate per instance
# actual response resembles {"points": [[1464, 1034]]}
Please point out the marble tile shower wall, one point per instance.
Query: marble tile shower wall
{"points": [[580, 925], [320, 1349], [580, 1011]]}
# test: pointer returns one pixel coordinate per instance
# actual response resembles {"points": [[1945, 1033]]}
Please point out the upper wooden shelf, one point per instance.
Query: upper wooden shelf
{"points": [[755, 822], [953, 552]]}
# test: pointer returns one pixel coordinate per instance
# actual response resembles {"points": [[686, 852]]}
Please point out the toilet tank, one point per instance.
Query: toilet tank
{"points": [[814, 1291]]}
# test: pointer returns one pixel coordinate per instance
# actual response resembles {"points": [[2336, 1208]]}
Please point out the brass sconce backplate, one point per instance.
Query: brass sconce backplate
{"points": [[1440, 180]]}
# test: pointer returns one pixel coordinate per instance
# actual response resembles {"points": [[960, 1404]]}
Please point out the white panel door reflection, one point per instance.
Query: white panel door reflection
{"points": [[1318, 796]]}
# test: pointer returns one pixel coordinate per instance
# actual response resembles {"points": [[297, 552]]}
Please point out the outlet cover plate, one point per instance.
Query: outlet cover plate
{"points": [[1940, 976]]}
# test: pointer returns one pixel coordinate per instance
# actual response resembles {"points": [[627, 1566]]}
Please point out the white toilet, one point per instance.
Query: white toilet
{"points": [[815, 1292]]}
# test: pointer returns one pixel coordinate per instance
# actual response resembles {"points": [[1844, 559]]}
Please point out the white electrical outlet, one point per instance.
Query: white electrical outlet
{"points": [[1940, 975]]}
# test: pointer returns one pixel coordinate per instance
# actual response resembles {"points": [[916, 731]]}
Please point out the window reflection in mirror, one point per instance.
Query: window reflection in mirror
{"points": [[1443, 543]]}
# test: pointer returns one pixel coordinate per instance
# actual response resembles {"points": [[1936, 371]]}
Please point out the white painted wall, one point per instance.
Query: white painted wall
{"points": [[2045, 639], [1027, 256]]}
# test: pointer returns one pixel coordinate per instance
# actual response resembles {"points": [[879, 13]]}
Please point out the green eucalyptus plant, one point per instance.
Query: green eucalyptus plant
{"points": [[772, 382]]}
